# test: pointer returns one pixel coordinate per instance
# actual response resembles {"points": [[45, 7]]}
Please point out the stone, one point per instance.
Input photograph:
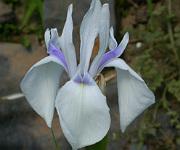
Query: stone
{"points": [[15, 61], [20, 126], [6, 14], [4, 8]]}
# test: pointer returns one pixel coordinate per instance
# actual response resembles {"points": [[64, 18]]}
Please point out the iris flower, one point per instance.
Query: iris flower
{"points": [[81, 106]]}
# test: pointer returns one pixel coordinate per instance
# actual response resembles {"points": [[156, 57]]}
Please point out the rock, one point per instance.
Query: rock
{"points": [[6, 14], [15, 61], [4, 8], [20, 126]]}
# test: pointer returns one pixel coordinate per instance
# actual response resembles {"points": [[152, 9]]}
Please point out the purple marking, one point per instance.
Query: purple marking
{"points": [[114, 53], [85, 79], [110, 55], [54, 51]]}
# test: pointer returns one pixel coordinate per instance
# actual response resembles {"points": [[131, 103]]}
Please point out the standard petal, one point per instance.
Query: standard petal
{"points": [[112, 40], [110, 55], [47, 37], [57, 53], [54, 37], [115, 53], [66, 43], [40, 86], [88, 32], [133, 94], [103, 37], [51, 36], [104, 28], [83, 112]]}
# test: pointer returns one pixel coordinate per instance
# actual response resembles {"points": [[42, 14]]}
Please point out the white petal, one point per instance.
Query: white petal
{"points": [[112, 40], [103, 36], [83, 112], [88, 32], [104, 28], [47, 37], [66, 43], [51, 35], [54, 34], [134, 95], [110, 55], [40, 86]]}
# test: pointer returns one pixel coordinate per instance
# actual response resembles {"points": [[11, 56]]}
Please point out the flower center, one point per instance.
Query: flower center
{"points": [[84, 79]]}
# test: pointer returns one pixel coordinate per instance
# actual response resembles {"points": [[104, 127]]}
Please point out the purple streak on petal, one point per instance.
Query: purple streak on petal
{"points": [[78, 79], [54, 51], [110, 55], [85, 79]]}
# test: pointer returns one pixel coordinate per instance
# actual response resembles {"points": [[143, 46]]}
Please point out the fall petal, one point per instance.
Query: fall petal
{"points": [[83, 112], [133, 94], [40, 86]]}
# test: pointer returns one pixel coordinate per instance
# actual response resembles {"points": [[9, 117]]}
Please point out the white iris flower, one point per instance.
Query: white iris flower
{"points": [[81, 106]]}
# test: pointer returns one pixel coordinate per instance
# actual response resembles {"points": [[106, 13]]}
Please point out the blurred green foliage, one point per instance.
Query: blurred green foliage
{"points": [[174, 89], [102, 145], [32, 7], [28, 19], [13, 2], [158, 61]]}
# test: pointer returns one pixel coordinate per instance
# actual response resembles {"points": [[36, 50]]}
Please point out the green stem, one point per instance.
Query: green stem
{"points": [[54, 140]]}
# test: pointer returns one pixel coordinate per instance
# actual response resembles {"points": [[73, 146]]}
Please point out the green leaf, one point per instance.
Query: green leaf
{"points": [[102, 145], [148, 68], [32, 7], [174, 88]]}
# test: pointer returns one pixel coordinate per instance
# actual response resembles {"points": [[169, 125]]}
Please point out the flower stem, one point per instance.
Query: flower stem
{"points": [[54, 140]]}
